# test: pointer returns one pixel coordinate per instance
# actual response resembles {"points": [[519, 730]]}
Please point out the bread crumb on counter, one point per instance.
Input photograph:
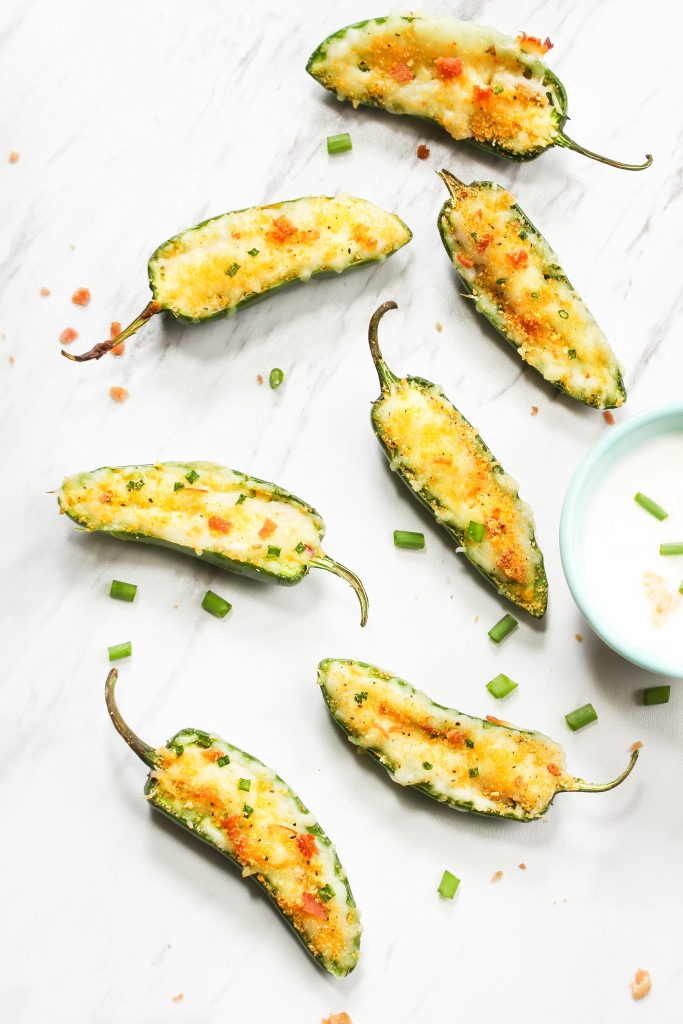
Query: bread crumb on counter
{"points": [[641, 984], [579, 637], [259, 378], [337, 1018], [68, 335], [179, 998], [496, 876], [14, 157], [44, 291], [81, 297], [609, 418], [439, 326], [534, 410], [118, 394], [522, 866], [423, 151]]}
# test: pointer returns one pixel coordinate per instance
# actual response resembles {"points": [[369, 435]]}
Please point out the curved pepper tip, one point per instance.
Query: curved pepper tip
{"points": [[383, 372], [138, 746], [102, 347], [340, 570], [566, 143], [602, 787]]}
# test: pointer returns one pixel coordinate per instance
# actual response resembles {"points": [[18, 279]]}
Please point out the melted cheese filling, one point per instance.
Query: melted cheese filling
{"points": [[441, 454], [260, 828], [493, 769], [518, 283], [205, 514], [214, 267], [497, 96]]}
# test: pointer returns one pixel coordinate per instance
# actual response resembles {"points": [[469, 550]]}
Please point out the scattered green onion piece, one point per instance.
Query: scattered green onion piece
{"points": [[448, 885], [360, 697], [501, 686], [473, 773], [177, 749], [675, 548], [301, 547], [191, 476], [276, 377], [498, 89], [582, 716], [178, 486], [135, 485], [273, 552], [571, 352], [232, 269], [563, 313], [326, 893], [500, 280], [475, 531], [119, 651], [656, 695], [253, 252], [650, 506], [534, 295], [202, 739], [244, 784], [215, 604], [247, 811], [339, 143], [222, 761], [523, 235], [469, 743], [427, 766], [123, 591], [503, 628], [409, 539], [242, 498]]}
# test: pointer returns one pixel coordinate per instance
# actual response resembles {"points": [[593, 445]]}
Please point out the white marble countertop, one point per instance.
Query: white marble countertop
{"points": [[134, 120]]}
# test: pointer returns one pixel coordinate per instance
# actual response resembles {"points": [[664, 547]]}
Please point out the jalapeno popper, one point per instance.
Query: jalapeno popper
{"points": [[236, 804], [213, 269], [514, 276], [473, 764], [445, 463], [481, 86], [239, 523]]}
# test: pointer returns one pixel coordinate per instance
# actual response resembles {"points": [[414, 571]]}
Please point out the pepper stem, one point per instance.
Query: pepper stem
{"points": [[385, 375], [142, 749], [101, 349], [563, 140], [602, 787], [323, 562], [452, 183]]}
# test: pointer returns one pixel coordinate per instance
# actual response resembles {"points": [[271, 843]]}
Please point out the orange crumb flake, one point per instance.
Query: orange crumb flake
{"points": [[179, 998], [637, 745], [268, 528], [259, 378], [641, 985], [14, 157], [534, 410], [219, 525], [81, 297], [533, 44], [554, 769], [423, 151], [68, 335], [281, 230], [439, 326], [118, 394], [337, 1018], [400, 73], [44, 291], [579, 637], [609, 418], [496, 876], [448, 67], [520, 258], [464, 260], [522, 866], [482, 95]]}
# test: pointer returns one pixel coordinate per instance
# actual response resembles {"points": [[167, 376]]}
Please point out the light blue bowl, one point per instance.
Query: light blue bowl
{"points": [[614, 445]]}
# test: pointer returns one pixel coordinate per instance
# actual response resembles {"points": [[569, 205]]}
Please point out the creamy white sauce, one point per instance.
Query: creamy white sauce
{"points": [[635, 589]]}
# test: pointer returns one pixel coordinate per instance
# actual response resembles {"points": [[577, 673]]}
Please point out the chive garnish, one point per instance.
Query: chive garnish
{"points": [[675, 548], [326, 893], [222, 761], [360, 697], [241, 498], [123, 591], [177, 749], [473, 772], [253, 252], [409, 539], [427, 766], [498, 89], [503, 628], [500, 686], [276, 377], [563, 313], [469, 743], [244, 784], [582, 716], [232, 269], [135, 485], [300, 547], [523, 235], [191, 476], [500, 280], [215, 604], [650, 506], [119, 651], [247, 811], [475, 531], [656, 695], [571, 352], [273, 552], [339, 143], [448, 885], [178, 486]]}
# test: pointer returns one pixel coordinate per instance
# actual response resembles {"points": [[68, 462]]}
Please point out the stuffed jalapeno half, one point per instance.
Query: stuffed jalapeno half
{"points": [[515, 279], [445, 463], [240, 807], [213, 269], [236, 522], [481, 86], [472, 764]]}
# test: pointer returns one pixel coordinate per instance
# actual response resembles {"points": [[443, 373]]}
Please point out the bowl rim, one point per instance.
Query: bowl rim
{"points": [[571, 508]]}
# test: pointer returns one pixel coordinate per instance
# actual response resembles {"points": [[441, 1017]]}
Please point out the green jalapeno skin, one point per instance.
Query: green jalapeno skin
{"points": [[237, 805], [484, 766], [514, 277], [450, 470], [479, 85], [239, 523], [213, 269]]}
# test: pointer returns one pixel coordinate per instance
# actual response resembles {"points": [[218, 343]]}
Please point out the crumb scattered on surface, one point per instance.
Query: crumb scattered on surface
{"points": [[641, 985], [522, 866], [579, 637], [81, 297], [608, 417], [68, 335], [259, 378], [72, 246], [44, 290], [114, 331], [637, 745], [14, 157], [337, 1018], [11, 360], [423, 151], [496, 876], [534, 410], [439, 326], [119, 394], [476, 618], [662, 601], [178, 998]]}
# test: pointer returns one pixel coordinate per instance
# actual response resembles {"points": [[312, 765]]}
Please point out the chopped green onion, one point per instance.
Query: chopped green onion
{"points": [[247, 811], [473, 773], [501, 686], [360, 697], [534, 295], [503, 628], [119, 651], [123, 591], [500, 280], [244, 784], [571, 352], [427, 766], [339, 143], [523, 235], [202, 739], [474, 235], [215, 604], [656, 695], [300, 547], [469, 743], [191, 476], [178, 486], [232, 269], [253, 252], [650, 506], [448, 886], [498, 89], [135, 485], [563, 313], [242, 498], [276, 378], [326, 893], [475, 531], [671, 549], [222, 761], [409, 539], [177, 749], [273, 552], [582, 716]]}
